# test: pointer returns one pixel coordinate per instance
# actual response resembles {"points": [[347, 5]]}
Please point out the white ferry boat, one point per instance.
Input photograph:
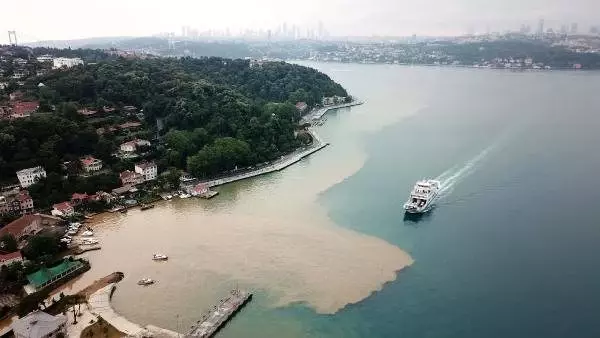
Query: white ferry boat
{"points": [[422, 196]]}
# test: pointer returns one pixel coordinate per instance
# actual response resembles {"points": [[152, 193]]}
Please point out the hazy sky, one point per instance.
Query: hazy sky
{"points": [[69, 19]]}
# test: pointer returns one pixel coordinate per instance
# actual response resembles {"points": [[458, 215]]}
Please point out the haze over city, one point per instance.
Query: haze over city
{"points": [[87, 18]]}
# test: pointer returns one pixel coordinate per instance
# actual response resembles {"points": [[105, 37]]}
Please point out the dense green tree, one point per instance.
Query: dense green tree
{"points": [[8, 243], [39, 246], [224, 154]]}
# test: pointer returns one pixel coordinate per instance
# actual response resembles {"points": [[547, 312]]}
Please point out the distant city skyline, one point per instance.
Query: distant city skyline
{"points": [[73, 19]]}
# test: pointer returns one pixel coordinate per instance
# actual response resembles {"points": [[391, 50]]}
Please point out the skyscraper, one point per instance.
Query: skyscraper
{"points": [[574, 28], [321, 31], [525, 29], [540, 30], [564, 29]]}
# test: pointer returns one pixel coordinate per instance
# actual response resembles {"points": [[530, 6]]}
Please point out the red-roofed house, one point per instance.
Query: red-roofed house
{"points": [[22, 227], [108, 109], [131, 146], [8, 259], [199, 189], [91, 164], [77, 199], [16, 95], [28, 225], [19, 203], [129, 125], [24, 108], [87, 112], [131, 178], [63, 209], [301, 106], [25, 201]]}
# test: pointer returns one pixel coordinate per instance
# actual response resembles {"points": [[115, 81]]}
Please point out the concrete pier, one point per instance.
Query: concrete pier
{"points": [[212, 321], [318, 113]]}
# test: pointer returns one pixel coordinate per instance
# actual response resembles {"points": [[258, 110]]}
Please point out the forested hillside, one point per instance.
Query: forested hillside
{"points": [[215, 114]]}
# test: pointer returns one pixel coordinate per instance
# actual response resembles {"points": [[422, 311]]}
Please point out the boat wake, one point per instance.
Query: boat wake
{"points": [[450, 178]]}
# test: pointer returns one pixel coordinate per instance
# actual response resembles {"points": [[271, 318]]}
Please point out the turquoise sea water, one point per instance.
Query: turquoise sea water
{"points": [[512, 248]]}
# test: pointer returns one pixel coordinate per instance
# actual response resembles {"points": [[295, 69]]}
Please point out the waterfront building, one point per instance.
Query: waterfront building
{"points": [[28, 225], [129, 177], [148, 169], [48, 276], [39, 324], [327, 101], [8, 259], [29, 176], [301, 106], [63, 209]]}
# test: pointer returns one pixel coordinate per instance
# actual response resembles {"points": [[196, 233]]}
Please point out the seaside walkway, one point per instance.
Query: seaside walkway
{"points": [[318, 113], [278, 165], [100, 306], [286, 160]]}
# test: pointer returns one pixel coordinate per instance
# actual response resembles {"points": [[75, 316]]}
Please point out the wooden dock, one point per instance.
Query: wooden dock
{"points": [[214, 320]]}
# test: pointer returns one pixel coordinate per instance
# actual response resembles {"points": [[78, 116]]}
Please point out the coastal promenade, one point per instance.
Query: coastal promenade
{"points": [[100, 306], [318, 113], [290, 159], [280, 164]]}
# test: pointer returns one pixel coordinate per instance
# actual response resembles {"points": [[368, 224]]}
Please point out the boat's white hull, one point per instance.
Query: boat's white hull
{"points": [[411, 209]]}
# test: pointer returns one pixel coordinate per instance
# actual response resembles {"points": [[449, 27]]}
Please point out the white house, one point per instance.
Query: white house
{"points": [[29, 176], [131, 146], [39, 324], [45, 58], [91, 164], [66, 62], [148, 169], [10, 258]]}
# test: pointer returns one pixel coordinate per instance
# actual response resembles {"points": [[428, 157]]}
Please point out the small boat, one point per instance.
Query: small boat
{"points": [[159, 257], [185, 196], [87, 233], [147, 206], [169, 197], [146, 281], [89, 241], [422, 196]]}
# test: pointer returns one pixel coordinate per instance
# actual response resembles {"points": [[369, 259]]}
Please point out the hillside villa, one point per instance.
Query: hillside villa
{"points": [[29, 176], [91, 164]]}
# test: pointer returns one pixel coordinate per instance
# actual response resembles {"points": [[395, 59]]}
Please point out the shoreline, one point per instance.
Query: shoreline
{"points": [[101, 306], [524, 70], [289, 159]]}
